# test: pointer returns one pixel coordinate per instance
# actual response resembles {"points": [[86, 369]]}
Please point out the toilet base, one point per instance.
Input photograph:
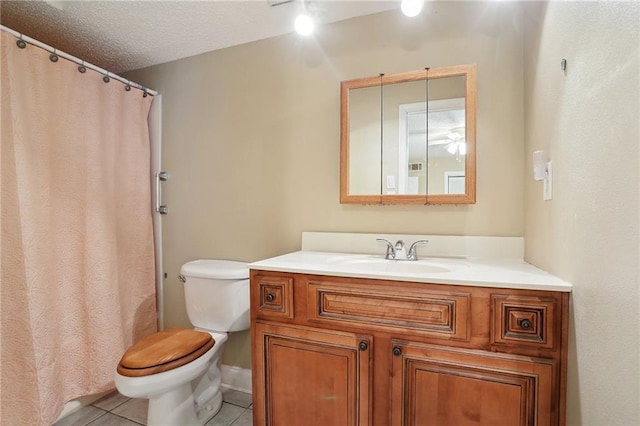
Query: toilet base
{"points": [[209, 409], [206, 389], [174, 407], [178, 406]]}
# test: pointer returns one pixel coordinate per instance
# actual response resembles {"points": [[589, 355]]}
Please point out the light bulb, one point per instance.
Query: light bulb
{"points": [[304, 24], [411, 8]]}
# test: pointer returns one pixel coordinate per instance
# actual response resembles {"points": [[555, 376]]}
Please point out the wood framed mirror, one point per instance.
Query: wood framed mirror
{"points": [[409, 138]]}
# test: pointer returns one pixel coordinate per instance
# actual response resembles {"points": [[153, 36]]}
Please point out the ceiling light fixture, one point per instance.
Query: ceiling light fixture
{"points": [[411, 8], [304, 24]]}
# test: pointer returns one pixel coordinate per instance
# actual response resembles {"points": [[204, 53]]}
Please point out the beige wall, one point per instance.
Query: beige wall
{"points": [[251, 138], [587, 119]]}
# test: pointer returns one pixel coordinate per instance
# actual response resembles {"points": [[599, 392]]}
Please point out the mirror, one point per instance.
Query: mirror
{"points": [[409, 138]]}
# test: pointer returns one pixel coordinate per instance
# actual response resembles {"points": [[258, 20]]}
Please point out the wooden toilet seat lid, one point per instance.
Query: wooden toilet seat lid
{"points": [[163, 351]]}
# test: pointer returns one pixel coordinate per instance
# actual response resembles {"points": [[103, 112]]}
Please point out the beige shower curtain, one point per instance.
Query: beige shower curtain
{"points": [[78, 281]]}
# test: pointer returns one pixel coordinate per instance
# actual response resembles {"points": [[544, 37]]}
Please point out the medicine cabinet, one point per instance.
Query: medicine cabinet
{"points": [[409, 138]]}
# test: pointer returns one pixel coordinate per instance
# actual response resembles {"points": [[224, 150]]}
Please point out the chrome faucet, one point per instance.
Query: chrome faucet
{"points": [[413, 253], [399, 252], [391, 253]]}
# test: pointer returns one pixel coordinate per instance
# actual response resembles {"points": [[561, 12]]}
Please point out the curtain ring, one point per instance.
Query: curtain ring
{"points": [[53, 56], [144, 93], [127, 87], [20, 43], [82, 68], [106, 78]]}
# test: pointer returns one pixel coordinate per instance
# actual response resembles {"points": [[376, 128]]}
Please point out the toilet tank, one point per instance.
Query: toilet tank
{"points": [[217, 294]]}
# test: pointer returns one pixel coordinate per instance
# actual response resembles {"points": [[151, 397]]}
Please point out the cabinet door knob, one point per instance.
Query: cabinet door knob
{"points": [[270, 297], [524, 324], [363, 346], [397, 351]]}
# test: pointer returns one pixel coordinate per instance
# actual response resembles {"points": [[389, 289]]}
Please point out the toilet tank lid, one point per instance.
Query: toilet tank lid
{"points": [[213, 268]]}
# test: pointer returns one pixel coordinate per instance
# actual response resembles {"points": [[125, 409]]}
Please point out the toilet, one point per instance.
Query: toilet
{"points": [[178, 369]]}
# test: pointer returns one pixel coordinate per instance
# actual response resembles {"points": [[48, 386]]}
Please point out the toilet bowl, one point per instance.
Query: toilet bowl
{"points": [[178, 369]]}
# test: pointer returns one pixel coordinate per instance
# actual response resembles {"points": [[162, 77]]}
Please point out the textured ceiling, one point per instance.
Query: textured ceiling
{"points": [[127, 35]]}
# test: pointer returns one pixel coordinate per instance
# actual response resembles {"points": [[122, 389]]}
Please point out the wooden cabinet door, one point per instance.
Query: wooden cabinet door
{"points": [[311, 376], [434, 385]]}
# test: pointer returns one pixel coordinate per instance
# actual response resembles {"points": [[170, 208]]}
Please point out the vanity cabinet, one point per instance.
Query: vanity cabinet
{"points": [[352, 351]]}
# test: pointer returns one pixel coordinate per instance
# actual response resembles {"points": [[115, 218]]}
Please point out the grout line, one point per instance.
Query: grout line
{"points": [[123, 402], [236, 419], [126, 418], [113, 408], [236, 404], [241, 414], [101, 415]]}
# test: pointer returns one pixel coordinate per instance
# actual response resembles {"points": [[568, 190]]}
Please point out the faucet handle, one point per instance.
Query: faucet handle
{"points": [[413, 254], [391, 253]]}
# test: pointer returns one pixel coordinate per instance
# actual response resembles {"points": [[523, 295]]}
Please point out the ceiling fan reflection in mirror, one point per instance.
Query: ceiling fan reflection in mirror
{"points": [[446, 124]]}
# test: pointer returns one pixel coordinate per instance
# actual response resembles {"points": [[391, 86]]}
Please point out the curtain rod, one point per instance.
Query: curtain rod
{"points": [[76, 60]]}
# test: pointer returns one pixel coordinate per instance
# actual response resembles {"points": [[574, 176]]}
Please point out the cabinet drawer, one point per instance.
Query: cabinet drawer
{"points": [[523, 320], [442, 314], [274, 296]]}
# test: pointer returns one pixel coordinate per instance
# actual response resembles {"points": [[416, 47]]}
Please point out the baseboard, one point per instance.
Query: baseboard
{"points": [[236, 378]]}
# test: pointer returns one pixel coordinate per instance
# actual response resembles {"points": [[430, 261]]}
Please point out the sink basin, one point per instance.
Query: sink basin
{"points": [[415, 267], [376, 264]]}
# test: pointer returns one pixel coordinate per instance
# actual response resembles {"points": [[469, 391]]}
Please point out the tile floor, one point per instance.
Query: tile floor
{"points": [[117, 410]]}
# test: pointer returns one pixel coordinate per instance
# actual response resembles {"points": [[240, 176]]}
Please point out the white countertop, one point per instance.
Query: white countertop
{"points": [[470, 271]]}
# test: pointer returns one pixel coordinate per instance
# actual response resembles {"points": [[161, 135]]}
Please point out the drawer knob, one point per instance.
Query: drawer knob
{"points": [[270, 297], [363, 346], [524, 324], [397, 351]]}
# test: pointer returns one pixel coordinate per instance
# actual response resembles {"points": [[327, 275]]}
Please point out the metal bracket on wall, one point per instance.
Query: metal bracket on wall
{"points": [[161, 177]]}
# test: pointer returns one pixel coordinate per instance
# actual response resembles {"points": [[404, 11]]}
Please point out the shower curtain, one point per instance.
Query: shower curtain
{"points": [[77, 254]]}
